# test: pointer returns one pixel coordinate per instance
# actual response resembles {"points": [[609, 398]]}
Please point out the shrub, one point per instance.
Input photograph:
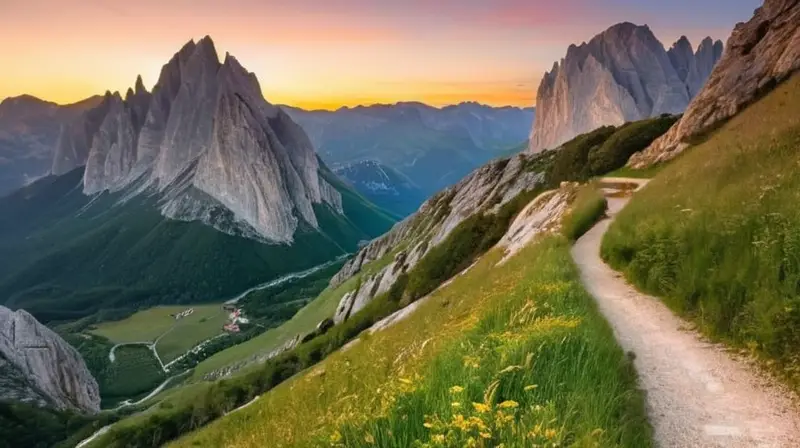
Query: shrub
{"points": [[629, 139]]}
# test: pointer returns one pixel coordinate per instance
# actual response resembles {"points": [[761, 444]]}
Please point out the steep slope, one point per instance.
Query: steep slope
{"points": [[29, 129], [760, 54], [39, 367], [623, 74], [433, 148]]}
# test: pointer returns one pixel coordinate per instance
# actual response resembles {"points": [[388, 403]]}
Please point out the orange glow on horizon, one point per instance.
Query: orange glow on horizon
{"points": [[308, 53]]}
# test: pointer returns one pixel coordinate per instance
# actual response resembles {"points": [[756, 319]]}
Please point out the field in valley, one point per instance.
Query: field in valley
{"points": [[174, 337]]}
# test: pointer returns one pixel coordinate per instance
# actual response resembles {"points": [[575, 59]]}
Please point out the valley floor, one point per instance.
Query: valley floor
{"points": [[698, 395]]}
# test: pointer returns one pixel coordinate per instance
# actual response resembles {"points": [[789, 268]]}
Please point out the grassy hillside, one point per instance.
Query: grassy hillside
{"points": [[717, 232], [515, 355], [76, 256]]}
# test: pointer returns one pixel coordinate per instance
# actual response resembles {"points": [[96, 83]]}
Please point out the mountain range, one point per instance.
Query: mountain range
{"points": [[623, 74], [189, 193], [425, 148]]}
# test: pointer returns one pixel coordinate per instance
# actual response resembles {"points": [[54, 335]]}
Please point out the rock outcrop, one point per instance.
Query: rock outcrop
{"points": [[41, 368], [760, 54], [486, 189], [623, 74], [209, 144]]}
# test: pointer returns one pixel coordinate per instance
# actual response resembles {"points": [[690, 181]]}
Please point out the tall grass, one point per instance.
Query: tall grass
{"points": [[717, 233], [588, 207], [516, 354]]}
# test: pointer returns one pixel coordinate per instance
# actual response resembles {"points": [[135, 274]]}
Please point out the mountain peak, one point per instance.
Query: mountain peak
{"points": [[139, 86], [206, 47]]}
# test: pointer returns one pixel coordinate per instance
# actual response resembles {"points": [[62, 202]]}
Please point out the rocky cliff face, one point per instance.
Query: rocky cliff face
{"points": [[39, 367], [760, 54], [487, 188], [623, 74], [209, 144]]}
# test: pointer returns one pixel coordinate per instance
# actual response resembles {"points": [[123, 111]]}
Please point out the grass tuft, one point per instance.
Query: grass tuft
{"points": [[588, 208]]}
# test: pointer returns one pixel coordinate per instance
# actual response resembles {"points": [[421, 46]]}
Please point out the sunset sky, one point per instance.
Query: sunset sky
{"points": [[329, 53]]}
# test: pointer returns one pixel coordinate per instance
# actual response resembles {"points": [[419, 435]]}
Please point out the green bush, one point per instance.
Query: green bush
{"points": [[627, 140], [572, 160]]}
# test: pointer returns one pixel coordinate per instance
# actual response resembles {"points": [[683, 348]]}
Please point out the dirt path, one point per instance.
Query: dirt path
{"points": [[698, 395]]}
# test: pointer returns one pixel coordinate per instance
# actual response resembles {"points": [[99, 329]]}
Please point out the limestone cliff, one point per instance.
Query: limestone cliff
{"points": [[39, 367], [487, 188], [760, 54], [209, 144], [623, 74]]}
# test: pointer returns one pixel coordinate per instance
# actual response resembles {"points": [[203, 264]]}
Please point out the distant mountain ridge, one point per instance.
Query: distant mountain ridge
{"points": [[29, 130], [432, 147], [623, 74]]}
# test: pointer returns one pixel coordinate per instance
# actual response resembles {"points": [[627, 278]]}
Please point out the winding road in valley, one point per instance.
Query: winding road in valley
{"points": [[698, 394]]}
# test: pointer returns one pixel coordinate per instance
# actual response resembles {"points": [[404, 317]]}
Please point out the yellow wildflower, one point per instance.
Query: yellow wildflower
{"points": [[438, 438], [481, 407], [455, 404], [459, 422], [508, 404], [550, 433], [456, 389], [486, 435], [428, 425]]}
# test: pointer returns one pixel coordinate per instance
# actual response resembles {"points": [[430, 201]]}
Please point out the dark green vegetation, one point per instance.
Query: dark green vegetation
{"points": [[26, 426], [588, 208], [135, 371], [605, 149], [273, 306], [717, 232], [76, 256]]}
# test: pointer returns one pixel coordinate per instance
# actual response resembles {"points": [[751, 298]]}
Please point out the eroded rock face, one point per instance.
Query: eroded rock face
{"points": [[760, 54], [623, 74], [486, 189], [211, 146], [46, 369]]}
